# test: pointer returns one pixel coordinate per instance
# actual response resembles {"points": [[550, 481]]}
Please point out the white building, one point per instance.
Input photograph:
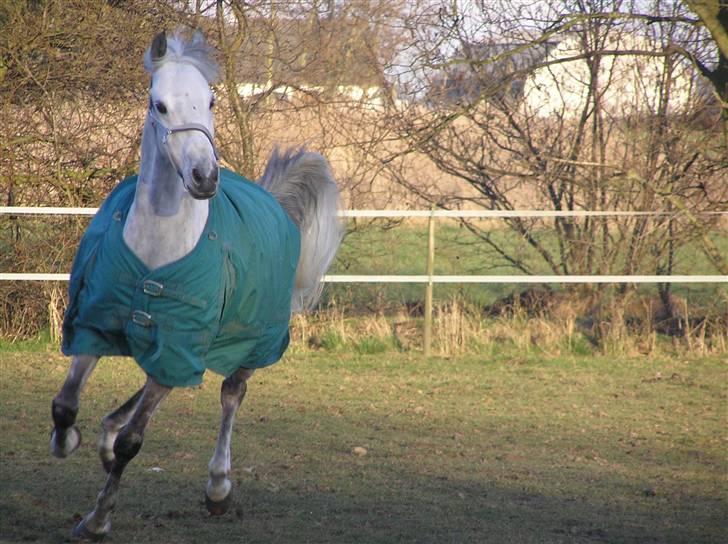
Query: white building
{"points": [[371, 97], [628, 83]]}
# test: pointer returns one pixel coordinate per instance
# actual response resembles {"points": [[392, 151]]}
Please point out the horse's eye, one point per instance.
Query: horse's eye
{"points": [[212, 102], [161, 108]]}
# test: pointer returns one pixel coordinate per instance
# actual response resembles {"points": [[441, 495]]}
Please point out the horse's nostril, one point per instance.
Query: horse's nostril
{"points": [[196, 175]]}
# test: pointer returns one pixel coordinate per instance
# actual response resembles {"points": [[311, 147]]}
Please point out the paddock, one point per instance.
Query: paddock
{"points": [[390, 447]]}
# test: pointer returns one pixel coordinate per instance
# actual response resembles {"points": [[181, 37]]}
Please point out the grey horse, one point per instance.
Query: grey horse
{"points": [[188, 266]]}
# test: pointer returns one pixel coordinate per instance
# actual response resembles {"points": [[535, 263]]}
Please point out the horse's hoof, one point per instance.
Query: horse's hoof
{"points": [[220, 507], [70, 443], [81, 532]]}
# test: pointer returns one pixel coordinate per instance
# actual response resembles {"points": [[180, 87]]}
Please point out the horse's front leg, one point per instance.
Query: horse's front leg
{"points": [[217, 493], [65, 436], [112, 424], [97, 523]]}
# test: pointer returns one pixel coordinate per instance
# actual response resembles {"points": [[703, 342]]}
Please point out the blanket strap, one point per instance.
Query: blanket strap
{"points": [[156, 289]]}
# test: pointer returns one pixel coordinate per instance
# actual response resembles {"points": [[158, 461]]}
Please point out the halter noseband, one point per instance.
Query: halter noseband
{"points": [[156, 121]]}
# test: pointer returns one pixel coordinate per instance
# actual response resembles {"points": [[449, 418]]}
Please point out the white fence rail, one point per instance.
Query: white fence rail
{"points": [[426, 278], [423, 278], [465, 214]]}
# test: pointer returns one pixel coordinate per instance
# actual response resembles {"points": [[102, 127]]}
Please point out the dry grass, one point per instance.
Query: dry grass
{"points": [[624, 327], [618, 328]]}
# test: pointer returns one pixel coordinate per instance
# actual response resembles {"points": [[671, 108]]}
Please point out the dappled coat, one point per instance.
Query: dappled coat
{"points": [[225, 305]]}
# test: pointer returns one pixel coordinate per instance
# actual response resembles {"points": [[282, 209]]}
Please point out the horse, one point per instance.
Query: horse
{"points": [[188, 266]]}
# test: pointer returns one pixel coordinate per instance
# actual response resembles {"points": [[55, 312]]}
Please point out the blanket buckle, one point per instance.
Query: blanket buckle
{"points": [[153, 288], [142, 318]]}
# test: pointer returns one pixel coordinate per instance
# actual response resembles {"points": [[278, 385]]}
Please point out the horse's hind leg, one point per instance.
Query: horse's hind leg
{"points": [[65, 436], [217, 493], [111, 425], [127, 444]]}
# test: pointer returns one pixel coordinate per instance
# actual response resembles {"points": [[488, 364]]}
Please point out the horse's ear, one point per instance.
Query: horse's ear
{"points": [[198, 37], [159, 46]]}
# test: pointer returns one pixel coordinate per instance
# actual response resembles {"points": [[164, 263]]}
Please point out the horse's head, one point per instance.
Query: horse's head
{"points": [[180, 109]]}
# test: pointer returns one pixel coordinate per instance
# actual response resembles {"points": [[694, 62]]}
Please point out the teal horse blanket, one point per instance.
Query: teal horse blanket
{"points": [[225, 305]]}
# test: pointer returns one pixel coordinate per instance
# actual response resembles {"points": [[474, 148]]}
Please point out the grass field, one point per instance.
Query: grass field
{"points": [[403, 250], [507, 449]]}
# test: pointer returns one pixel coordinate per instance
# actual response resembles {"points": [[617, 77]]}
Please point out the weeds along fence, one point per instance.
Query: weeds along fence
{"points": [[429, 279]]}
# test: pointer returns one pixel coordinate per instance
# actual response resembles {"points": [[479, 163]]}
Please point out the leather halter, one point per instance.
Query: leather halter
{"points": [[168, 131]]}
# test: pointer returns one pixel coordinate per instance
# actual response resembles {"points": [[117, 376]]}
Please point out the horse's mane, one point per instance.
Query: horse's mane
{"points": [[195, 51]]}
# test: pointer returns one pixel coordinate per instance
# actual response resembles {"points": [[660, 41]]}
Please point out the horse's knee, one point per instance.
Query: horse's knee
{"points": [[233, 389], [65, 437], [235, 385], [127, 445]]}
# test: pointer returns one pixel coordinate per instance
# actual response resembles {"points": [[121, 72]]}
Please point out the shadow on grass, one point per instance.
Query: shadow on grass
{"points": [[499, 453], [379, 501]]}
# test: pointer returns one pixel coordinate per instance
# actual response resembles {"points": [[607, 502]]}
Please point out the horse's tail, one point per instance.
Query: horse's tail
{"points": [[303, 184]]}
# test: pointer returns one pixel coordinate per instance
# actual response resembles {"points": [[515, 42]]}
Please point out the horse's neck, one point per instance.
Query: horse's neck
{"points": [[158, 240], [164, 223]]}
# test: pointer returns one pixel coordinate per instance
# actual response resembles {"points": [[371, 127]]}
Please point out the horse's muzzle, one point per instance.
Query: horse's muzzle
{"points": [[203, 184]]}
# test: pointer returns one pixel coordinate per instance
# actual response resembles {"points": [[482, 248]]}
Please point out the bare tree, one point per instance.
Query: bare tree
{"points": [[713, 15], [68, 99], [289, 59], [567, 106], [73, 95]]}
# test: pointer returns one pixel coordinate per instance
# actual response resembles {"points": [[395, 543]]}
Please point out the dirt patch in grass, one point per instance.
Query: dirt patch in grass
{"points": [[390, 448]]}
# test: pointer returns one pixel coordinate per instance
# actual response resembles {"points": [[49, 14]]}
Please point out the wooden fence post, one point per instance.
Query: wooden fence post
{"points": [[428, 288]]}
